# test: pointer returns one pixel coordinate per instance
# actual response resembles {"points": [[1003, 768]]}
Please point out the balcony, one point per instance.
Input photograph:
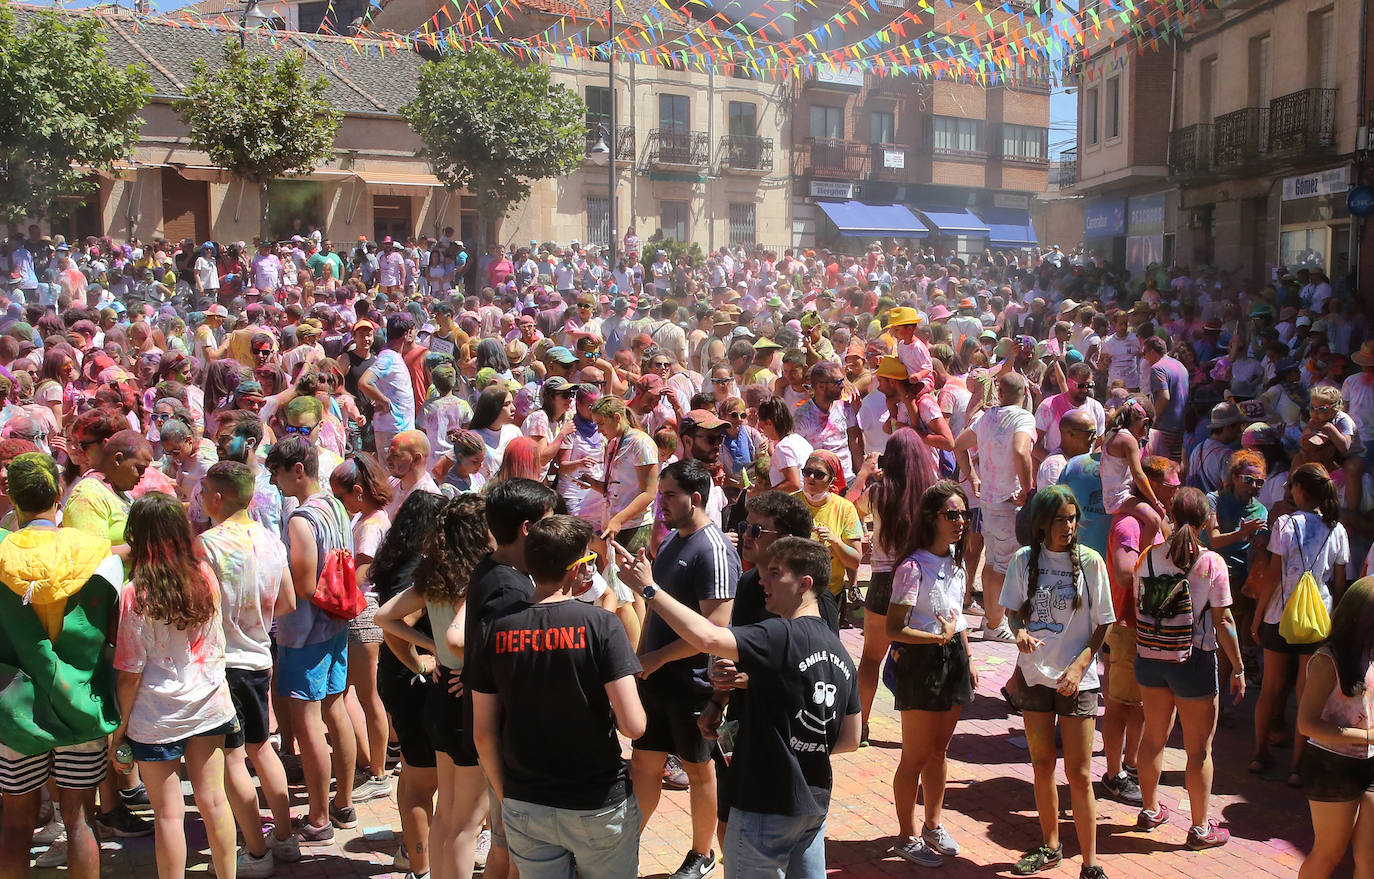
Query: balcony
{"points": [[682, 148], [624, 139], [1064, 170], [1190, 150], [1239, 138], [746, 154], [1303, 123], [890, 161], [830, 157]]}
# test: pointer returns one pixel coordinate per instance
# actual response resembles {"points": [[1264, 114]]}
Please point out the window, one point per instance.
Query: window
{"points": [[882, 126], [1090, 116], [674, 112], [598, 105], [743, 231], [827, 121], [1259, 71], [1113, 108], [598, 220], [1326, 49], [955, 135], [1207, 90], [674, 219], [1025, 142], [743, 119]]}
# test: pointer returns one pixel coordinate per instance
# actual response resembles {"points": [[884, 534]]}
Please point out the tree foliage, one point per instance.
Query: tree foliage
{"points": [[494, 126], [69, 112], [258, 119]]}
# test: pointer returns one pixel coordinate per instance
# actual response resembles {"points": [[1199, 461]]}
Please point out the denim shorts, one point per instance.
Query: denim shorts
{"points": [[1194, 678], [162, 752], [312, 672], [544, 841], [756, 844]]}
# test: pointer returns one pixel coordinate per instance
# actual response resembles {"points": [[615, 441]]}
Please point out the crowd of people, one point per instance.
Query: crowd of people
{"points": [[376, 521]]}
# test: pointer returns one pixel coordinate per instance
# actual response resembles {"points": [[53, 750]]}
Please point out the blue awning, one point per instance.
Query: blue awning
{"points": [[880, 220], [957, 222], [1009, 227]]}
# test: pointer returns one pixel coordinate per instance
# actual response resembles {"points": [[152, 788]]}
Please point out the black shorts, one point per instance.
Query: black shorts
{"points": [[879, 594], [1049, 700], [672, 714], [448, 723], [1270, 639], [251, 692], [933, 677], [1335, 778], [404, 698]]}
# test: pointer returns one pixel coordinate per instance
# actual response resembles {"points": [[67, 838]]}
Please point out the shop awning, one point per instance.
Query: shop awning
{"points": [[881, 220], [1008, 227], [957, 222], [206, 173], [399, 183]]}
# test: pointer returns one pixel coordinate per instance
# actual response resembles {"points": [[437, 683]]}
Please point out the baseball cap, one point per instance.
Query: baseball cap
{"points": [[701, 419], [562, 355], [364, 324], [217, 310]]}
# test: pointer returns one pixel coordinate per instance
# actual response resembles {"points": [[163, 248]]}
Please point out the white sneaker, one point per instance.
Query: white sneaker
{"points": [[250, 867], [1001, 632], [50, 832], [55, 856], [483, 848], [288, 850], [401, 860]]}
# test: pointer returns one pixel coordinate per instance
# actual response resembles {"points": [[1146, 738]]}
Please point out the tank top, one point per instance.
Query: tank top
{"points": [[1350, 711], [1116, 481], [441, 615]]}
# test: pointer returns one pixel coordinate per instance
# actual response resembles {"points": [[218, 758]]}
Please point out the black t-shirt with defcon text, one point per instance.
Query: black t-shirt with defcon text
{"points": [[493, 590], [549, 664], [802, 686]]}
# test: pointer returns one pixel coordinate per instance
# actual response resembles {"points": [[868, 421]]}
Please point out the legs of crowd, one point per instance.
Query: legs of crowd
{"points": [[204, 757], [458, 816]]}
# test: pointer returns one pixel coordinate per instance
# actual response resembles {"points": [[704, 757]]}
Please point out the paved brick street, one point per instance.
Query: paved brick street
{"points": [[989, 810]]}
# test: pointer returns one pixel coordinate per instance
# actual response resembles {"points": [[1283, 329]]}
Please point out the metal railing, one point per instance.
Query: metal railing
{"points": [[1303, 122], [1190, 149], [673, 147], [624, 139], [747, 152], [1239, 138], [832, 157], [1064, 170]]}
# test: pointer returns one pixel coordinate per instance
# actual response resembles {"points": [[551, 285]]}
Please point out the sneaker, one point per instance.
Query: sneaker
{"points": [[287, 851], [863, 737], [50, 832], [1122, 789], [344, 818], [940, 840], [375, 788], [1001, 632], [393, 754], [1039, 858], [137, 796], [309, 834], [122, 823], [674, 778], [417, 876], [696, 866], [1132, 771], [915, 850], [483, 848], [1209, 837], [55, 856], [1093, 872], [250, 867], [1147, 822], [401, 860]]}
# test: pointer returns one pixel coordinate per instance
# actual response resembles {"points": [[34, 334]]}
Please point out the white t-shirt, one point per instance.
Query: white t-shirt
{"points": [[1209, 586], [790, 451], [1053, 408], [206, 274], [624, 456], [872, 416], [1358, 393], [393, 381], [249, 561], [996, 461], [1125, 357], [1064, 629], [931, 587], [1305, 543], [496, 442]]}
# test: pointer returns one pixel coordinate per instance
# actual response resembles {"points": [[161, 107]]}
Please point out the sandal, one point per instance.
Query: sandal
{"points": [[1260, 765]]}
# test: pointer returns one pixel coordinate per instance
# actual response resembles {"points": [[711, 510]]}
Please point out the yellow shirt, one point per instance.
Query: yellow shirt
{"points": [[840, 516]]}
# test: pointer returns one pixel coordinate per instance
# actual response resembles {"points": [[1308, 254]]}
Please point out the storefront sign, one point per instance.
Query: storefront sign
{"points": [[836, 76], [894, 159], [1106, 219], [1007, 200], [1333, 182], [831, 189], [1145, 215]]}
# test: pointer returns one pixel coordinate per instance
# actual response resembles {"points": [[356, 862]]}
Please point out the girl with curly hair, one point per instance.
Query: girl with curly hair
{"points": [[1057, 594], [449, 555], [173, 696]]}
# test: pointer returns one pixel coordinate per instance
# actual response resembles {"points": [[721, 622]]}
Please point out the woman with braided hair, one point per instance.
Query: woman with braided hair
{"points": [[1057, 594]]}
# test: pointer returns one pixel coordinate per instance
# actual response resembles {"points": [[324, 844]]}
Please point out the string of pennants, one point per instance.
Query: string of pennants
{"points": [[983, 43]]}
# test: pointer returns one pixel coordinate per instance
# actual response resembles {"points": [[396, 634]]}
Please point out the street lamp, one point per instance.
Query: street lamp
{"points": [[610, 131], [252, 16]]}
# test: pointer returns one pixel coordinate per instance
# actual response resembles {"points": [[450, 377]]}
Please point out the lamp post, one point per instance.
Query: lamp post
{"points": [[252, 16], [610, 140]]}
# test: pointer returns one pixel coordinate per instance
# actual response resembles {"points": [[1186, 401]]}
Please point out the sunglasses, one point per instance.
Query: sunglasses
{"points": [[1253, 481], [584, 307], [957, 515], [815, 473], [720, 381], [751, 531], [590, 355], [160, 417], [296, 430]]}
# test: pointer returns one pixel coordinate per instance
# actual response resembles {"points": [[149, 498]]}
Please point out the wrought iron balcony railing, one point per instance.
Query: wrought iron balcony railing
{"points": [[668, 146], [747, 152], [1239, 138], [1303, 122], [1190, 149]]}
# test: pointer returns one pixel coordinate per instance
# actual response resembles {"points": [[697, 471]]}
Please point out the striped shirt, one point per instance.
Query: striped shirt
{"points": [[702, 566]]}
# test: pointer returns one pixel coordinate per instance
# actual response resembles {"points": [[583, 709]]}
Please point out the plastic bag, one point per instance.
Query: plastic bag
{"points": [[1305, 618]]}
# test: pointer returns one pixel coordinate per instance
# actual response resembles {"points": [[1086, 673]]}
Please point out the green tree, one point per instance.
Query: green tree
{"points": [[493, 126], [258, 119], [70, 112]]}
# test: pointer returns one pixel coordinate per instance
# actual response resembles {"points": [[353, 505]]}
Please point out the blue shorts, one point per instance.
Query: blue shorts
{"points": [[1194, 678], [159, 753], [312, 672]]}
